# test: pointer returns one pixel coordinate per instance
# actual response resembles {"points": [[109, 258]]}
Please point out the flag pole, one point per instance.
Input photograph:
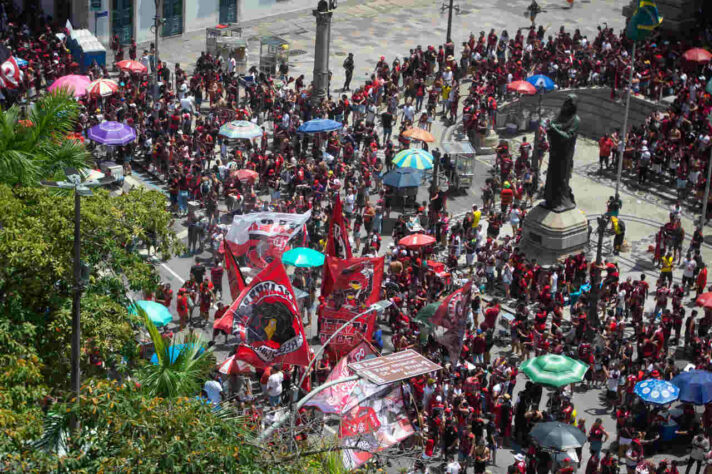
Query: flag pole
{"points": [[621, 146]]}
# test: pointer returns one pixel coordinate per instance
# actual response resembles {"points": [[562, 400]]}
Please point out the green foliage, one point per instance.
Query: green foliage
{"points": [[29, 154]]}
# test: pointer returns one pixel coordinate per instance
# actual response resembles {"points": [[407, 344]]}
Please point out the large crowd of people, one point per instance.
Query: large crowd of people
{"points": [[465, 413]]}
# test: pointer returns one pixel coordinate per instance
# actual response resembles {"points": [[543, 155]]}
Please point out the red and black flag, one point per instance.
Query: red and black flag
{"points": [[234, 274], [337, 244]]}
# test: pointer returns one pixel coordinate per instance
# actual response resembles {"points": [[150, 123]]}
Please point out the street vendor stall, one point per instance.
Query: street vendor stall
{"points": [[232, 47], [274, 51], [461, 171]]}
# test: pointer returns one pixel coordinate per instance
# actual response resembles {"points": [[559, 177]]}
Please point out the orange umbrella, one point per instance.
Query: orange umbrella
{"points": [[417, 240], [697, 55], [132, 66], [419, 134], [522, 87]]}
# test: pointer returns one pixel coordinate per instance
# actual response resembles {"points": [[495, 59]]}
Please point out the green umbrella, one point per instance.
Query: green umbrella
{"points": [[303, 257], [554, 370], [157, 313]]}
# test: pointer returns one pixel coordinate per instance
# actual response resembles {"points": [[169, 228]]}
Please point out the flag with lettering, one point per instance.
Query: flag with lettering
{"points": [[337, 244]]}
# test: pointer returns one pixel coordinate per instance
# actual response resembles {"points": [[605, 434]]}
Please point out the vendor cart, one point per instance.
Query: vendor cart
{"points": [[232, 47], [211, 37], [461, 169], [274, 51]]}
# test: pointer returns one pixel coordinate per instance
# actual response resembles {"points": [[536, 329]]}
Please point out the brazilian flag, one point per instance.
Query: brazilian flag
{"points": [[645, 19]]}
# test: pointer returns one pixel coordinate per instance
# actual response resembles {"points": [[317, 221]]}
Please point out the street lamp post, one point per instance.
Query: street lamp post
{"points": [[80, 189], [593, 321], [621, 148], [449, 22], [156, 26]]}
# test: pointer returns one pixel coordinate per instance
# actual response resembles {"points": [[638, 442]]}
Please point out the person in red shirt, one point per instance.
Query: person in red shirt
{"points": [[222, 309], [605, 145], [182, 307], [206, 299], [491, 314]]}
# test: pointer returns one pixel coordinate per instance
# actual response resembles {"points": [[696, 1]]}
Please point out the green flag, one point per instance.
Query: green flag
{"points": [[645, 19]]}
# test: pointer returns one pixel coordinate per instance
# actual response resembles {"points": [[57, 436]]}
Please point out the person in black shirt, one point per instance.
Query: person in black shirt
{"points": [[387, 123], [198, 271], [349, 71]]}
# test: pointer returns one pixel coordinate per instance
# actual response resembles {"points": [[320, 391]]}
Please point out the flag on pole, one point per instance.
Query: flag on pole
{"points": [[337, 244], [234, 274], [645, 19], [453, 309]]}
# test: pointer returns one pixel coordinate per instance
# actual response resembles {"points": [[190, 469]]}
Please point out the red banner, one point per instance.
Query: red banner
{"points": [[267, 317], [453, 308], [337, 244], [349, 287], [234, 274]]}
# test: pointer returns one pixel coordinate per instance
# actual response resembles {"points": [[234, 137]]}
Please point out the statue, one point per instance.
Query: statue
{"points": [[562, 133]]}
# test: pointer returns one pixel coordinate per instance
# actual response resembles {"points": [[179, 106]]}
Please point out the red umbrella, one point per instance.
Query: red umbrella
{"points": [[417, 240], [245, 175], [704, 300], [697, 55], [233, 365], [521, 87], [132, 66]]}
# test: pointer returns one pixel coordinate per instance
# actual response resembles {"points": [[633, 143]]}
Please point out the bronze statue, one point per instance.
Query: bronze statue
{"points": [[562, 133]]}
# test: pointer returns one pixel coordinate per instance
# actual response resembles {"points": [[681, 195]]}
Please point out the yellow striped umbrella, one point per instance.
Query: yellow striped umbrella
{"points": [[414, 158]]}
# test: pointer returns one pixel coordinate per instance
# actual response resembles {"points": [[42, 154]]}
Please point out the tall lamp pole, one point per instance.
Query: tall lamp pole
{"points": [[621, 148], [703, 217], [449, 22], [592, 319], [78, 271], [156, 26]]}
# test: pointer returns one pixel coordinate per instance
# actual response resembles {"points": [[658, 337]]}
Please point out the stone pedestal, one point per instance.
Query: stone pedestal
{"points": [[548, 235]]}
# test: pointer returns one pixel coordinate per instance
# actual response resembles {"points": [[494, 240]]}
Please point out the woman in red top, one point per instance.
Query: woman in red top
{"points": [[182, 307]]}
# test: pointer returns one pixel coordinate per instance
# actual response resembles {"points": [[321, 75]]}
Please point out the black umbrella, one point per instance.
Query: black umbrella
{"points": [[559, 436]]}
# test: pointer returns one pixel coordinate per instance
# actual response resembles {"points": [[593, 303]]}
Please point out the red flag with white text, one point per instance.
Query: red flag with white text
{"points": [[337, 244]]}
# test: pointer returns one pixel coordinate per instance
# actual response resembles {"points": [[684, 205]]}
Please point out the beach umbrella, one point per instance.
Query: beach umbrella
{"points": [[414, 158], [697, 55], [132, 66], [522, 87], [157, 313], [542, 82], [555, 370], [656, 391], [245, 175], [174, 351], [241, 130], [233, 366], [319, 125], [704, 300], [102, 88], [112, 133], [419, 134], [695, 386], [74, 82], [402, 178], [303, 257], [416, 240], [557, 435]]}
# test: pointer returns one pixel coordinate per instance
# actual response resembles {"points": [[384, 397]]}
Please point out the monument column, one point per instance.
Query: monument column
{"points": [[321, 52]]}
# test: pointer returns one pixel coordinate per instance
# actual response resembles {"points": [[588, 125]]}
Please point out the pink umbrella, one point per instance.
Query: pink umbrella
{"points": [[132, 66], [521, 87], [697, 55], [73, 82], [102, 88]]}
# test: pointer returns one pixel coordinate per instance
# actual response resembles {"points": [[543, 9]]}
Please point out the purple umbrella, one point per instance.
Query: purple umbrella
{"points": [[112, 133]]}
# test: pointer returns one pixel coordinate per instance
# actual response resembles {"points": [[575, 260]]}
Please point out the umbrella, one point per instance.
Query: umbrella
{"points": [[697, 55], [656, 391], [132, 66], [174, 352], [241, 129], [245, 175], [232, 365], [695, 386], [416, 240], [319, 125], [73, 82], [542, 82], [112, 133], [555, 370], [522, 87], [102, 88], [414, 158], [403, 178], [419, 134], [303, 257], [157, 313], [20, 62], [704, 300], [557, 435]]}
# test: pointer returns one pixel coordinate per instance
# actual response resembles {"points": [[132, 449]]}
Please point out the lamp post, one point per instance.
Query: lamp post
{"points": [[323, 14], [156, 26], [703, 217], [79, 272], [592, 319], [621, 147], [449, 22]]}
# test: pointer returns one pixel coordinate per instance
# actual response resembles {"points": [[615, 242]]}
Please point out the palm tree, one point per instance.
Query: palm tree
{"points": [[38, 148], [177, 375]]}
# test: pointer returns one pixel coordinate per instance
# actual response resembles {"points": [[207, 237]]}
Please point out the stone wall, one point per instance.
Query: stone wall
{"points": [[599, 114]]}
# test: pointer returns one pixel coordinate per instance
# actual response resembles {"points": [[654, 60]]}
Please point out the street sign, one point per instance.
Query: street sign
{"points": [[394, 367], [102, 14]]}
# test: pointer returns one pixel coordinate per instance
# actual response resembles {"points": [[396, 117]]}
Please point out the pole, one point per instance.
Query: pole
{"points": [[156, 25], [76, 326], [287, 414], [321, 54], [536, 155], [592, 317], [449, 22], [621, 147], [703, 218]]}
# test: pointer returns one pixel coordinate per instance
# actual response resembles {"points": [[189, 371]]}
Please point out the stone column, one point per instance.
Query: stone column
{"points": [[321, 55]]}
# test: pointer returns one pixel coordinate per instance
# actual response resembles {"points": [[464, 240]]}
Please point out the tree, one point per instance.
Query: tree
{"points": [[38, 147]]}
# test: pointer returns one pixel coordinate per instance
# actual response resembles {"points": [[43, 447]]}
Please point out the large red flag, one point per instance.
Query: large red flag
{"points": [[350, 287], [266, 314], [234, 274], [453, 309], [337, 244]]}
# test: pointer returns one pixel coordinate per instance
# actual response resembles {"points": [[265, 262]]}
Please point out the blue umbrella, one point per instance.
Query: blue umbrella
{"points": [[542, 82], [695, 386], [174, 352], [403, 178], [157, 313], [319, 125], [656, 391]]}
